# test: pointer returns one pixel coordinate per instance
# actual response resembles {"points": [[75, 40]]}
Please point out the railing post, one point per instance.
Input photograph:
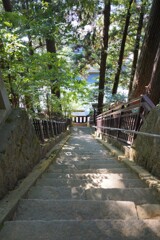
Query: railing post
{"points": [[41, 130], [45, 128], [49, 128], [119, 123], [55, 128], [38, 129], [58, 128], [129, 116], [51, 131]]}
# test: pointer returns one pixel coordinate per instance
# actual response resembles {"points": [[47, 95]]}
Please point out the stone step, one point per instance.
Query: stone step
{"points": [[82, 230], [48, 192], [69, 161], [94, 150], [74, 210], [100, 170], [86, 166], [78, 143], [94, 183], [136, 195], [85, 147], [147, 211], [91, 176], [84, 155], [94, 155], [91, 147]]}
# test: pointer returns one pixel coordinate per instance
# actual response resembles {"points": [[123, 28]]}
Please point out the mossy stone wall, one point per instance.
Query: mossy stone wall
{"points": [[19, 150], [147, 149]]}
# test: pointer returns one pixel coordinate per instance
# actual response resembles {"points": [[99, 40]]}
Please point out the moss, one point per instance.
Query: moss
{"points": [[9, 120], [2, 151], [147, 148]]}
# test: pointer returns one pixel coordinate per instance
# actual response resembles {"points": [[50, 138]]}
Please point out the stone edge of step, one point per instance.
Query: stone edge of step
{"points": [[143, 174], [9, 203]]}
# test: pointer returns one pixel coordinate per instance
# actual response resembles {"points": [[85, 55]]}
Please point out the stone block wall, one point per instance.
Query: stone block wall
{"points": [[20, 150], [147, 149]]}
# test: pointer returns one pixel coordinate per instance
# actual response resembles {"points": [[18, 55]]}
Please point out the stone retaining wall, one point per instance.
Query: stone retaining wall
{"points": [[20, 149], [147, 149]]}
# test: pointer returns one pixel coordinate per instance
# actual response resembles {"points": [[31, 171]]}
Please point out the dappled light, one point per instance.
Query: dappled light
{"points": [[87, 190], [129, 230], [78, 77]]}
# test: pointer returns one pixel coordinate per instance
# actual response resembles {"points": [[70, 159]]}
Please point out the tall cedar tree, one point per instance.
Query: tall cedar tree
{"points": [[28, 97], [147, 69], [51, 47], [7, 5], [121, 54], [153, 88], [107, 9], [137, 44], [14, 97]]}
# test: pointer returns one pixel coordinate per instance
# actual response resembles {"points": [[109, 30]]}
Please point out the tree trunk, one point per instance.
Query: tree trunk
{"points": [[2, 62], [146, 60], [30, 44], [120, 60], [51, 47], [137, 43], [7, 5], [28, 97], [153, 89], [14, 96], [104, 55]]}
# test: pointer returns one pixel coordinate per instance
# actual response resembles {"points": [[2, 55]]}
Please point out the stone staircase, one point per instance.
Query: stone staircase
{"points": [[86, 194]]}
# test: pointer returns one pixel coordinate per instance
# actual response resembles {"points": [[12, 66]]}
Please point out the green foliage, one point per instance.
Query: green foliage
{"points": [[76, 26]]}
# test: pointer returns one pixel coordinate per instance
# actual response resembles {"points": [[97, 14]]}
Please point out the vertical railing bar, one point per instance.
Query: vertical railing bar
{"points": [[125, 116]]}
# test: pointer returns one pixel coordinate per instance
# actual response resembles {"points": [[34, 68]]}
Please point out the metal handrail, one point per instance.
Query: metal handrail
{"points": [[130, 131], [128, 118]]}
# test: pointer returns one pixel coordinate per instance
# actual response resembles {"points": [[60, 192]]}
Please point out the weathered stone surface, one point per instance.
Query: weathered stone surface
{"points": [[137, 195], [84, 203], [92, 183], [87, 166], [90, 176], [48, 192], [5, 107], [19, 150], [147, 211], [74, 210], [82, 230], [87, 170], [147, 152]]}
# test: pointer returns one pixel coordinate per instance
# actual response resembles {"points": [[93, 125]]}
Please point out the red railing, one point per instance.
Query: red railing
{"points": [[127, 116]]}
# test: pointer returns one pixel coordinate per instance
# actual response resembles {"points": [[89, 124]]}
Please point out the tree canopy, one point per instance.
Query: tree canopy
{"points": [[47, 48]]}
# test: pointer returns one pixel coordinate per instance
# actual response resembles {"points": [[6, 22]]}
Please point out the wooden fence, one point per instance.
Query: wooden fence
{"points": [[128, 116]]}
